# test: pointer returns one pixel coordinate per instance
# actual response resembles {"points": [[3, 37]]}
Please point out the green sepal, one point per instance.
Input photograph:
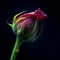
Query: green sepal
{"points": [[19, 14], [31, 41], [20, 31], [33, 30]]}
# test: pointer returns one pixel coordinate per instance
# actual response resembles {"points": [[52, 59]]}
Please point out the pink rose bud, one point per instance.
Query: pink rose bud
{"points": [[29, 21]]}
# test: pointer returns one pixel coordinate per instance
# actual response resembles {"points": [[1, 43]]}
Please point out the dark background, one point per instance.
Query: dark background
{"points": [[47, 46]]}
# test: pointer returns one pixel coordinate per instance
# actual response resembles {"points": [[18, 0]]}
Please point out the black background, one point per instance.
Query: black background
{"points": [[47, 46]]}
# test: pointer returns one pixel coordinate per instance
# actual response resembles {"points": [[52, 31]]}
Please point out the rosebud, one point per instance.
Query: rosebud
{"points": [[27, 25]]}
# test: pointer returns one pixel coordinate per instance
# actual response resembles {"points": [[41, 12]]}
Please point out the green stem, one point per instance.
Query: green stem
{"points": [[16, 48]]}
